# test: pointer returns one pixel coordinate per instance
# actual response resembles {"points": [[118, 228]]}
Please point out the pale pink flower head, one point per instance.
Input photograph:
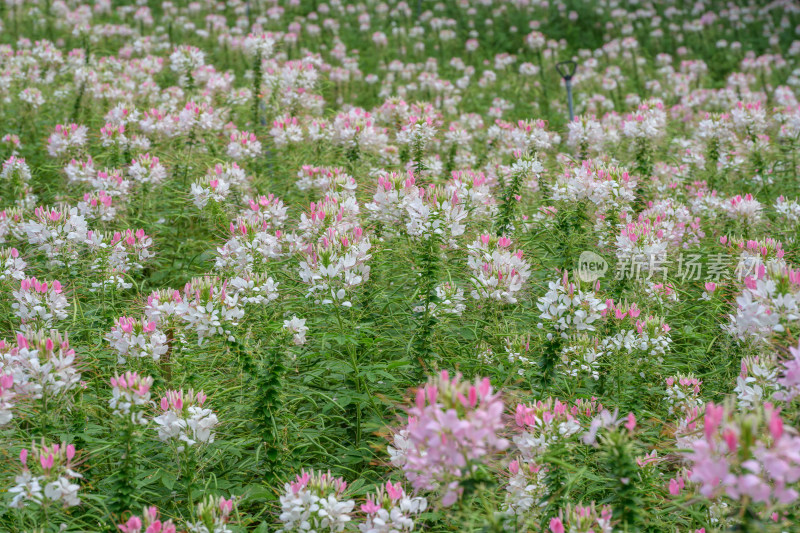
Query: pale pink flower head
{"points": [[149, 521], [452, 424], [746, 455]]}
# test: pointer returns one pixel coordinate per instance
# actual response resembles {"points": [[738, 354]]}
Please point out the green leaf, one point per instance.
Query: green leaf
{"points": [[168, 479]]}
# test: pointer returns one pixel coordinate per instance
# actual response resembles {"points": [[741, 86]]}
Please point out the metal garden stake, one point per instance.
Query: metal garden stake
{"points": [[567, 70]]}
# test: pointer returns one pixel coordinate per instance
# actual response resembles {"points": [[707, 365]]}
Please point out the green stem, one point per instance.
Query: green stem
{"points": [[359, 381]]}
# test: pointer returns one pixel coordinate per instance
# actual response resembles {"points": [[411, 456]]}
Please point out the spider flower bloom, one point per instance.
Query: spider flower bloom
{"points": [[15, 171], [6, 395], [212, 515], [757, 380], [582, 519], [218, 183], [789, 379], [452, 426], [356, 129], [250, 246], [147, 523], [260, 46], [768, 302], [243, 145], [42, 365], [434, 210], [12, 266], [391, 510], [184, 59], [47, 474], [330, 181], [497, 272], [585, 133], [130, 392], [56, 232], [548, 421], [683, 397], [147, 169], [314, 502], [610, 188], [450, 300], [184, 418], [137, 338], [746, 455], [648, 122], [567, 308], [66, 138], [119, 254], [97, 205], [336, 264], [286, 130], [525, 489], [209, 308], [266, 211], [744, 208], [418, 132], [297, 327]]}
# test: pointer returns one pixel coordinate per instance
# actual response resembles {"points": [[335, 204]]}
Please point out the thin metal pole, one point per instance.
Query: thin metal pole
{"points": [[569, 98]]}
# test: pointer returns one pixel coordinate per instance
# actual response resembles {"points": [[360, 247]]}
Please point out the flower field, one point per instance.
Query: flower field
{"points": [[307, 266]]}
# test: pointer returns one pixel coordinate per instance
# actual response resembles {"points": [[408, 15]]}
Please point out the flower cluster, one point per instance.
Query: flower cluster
{"points": [[267, 211], [757, 381], [789, 379], [767, 304], [610, 189], [452, 426], [497, 272], [137, 338], [127, 251], [12, 266], [251, 245], [525, 489], [581, 356], [67, 138], [449, 301], [297, 327], [47, 476], [568, 309], [6, 396], [42, 364], [185, 420], [304, 206], [333, 181], [747, 454], [130, 393], [315, 502], [335, 265], [391, 510], [582, 519], [40, 303], [683, 396], [147, 523], [546, 422], [58, 233], [97, 205], [208, 308], [147, 170], [243, 145], [213, 515]]}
